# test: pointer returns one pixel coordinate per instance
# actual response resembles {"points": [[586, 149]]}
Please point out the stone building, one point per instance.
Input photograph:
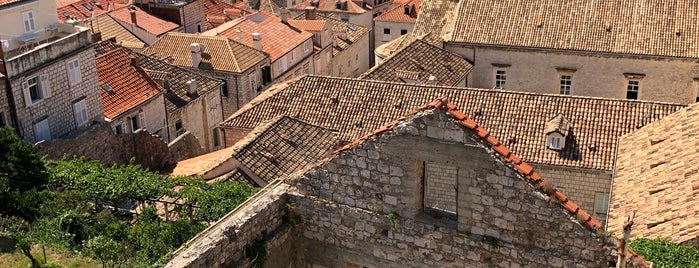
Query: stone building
{"points": [[396, 22], [322, 42], [145, 26], [104, 27], [656, 179], [187, 13], [422, 63], [51, 68], [275, 149], [81, 10], [239, 66], [192, 101], [371, 205], [290, 49], [580, 164], [131, 99]]}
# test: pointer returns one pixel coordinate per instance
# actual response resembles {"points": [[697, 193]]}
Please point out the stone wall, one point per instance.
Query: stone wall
{"points": [[233, 135], [186, 146], [440, 186], [101, 144], [354, 60]]}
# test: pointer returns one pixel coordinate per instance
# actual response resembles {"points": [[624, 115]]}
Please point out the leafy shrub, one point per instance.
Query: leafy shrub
{"points": [[666, 254]]}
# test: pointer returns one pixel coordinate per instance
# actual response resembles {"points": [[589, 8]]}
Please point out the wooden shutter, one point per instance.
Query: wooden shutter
{"points": [[45, 85], [27, 95]]}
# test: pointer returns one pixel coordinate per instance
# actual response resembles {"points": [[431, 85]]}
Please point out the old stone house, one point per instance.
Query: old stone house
{"points": [[104, 27], [51, 68], [274, 149], [580, 163], [322, 42], [187, 13], [131, 99], [656, 179], [290, 49], [192, 101], [371, 204], [396, 22], [239, 66], [422, 63], [145, 26]]}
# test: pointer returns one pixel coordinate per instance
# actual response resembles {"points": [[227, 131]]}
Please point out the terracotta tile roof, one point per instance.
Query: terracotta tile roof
{"points": [[4, 3], [220, 53], [355, 106], [218, 12], [520, 167], [656, 177], [662, 27], [308, 25], [145, 21], [329, 6], [130, 86], [433, 23], [80, 10], [353, 31], [111, 28], [397, 13], [277, 38], [425, 60], [275, 149], [176, 96]]}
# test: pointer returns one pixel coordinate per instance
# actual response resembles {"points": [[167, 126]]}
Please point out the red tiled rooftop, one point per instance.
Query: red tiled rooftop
{"points": [[77, 9], [131, 86], [217, 12], [147, 22], [308, 25], [277, 37], [397, 14], [9, 2], [329, 6]]}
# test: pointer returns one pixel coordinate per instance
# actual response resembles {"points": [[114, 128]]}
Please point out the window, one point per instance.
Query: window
{"points": [[632, 89], [386, 30], [440, 192], [36, 89], [28, 19], [179, 128], [217, 138], [403, 32], [697, 99], [554, 143], [74, 75], [2, 119], [80, 110], [138, 122], [253, 84], [198, 28], [292, 55], [307, 46], [500, 78], [601, 207], [119, 129], [566, 84], [344, 19], [42, 131]]}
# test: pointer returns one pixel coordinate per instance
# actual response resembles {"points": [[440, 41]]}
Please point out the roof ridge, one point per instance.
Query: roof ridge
{"points": [[523, 169], [266, 94]]}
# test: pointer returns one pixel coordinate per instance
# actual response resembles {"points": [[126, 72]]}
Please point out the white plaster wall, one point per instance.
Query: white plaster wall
{"points": [[381, 38], [354, 60], [666, 80], [11, 20]]}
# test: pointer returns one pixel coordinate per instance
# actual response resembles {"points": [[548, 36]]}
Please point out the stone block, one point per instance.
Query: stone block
{"points": [[395, 171], [391, 200], [395, 181], [435, 132]]}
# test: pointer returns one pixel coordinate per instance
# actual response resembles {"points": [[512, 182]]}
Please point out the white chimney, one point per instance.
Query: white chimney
{"points": [[239, 34], [432, 80], [257, 41], [192, 89], [196, 50], [284, 14]]}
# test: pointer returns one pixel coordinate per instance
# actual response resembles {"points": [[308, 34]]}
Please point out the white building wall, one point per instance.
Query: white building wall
{"points": [[154, 116], [666, 80], [11, 25], [354, 60], [382, 38]]}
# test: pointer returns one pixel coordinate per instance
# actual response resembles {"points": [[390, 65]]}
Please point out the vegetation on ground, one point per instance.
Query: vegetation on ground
{"points": [[83, 207]]}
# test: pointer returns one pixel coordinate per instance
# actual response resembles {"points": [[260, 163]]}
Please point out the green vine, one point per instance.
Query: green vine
{"points": [[394, 218]]}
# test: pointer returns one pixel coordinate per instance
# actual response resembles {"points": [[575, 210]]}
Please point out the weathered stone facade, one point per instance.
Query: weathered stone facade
{"points": [[365, 207]]}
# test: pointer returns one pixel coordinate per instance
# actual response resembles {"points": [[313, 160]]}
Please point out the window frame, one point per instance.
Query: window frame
{"points": [[500, 78], [80, 112], [633, 89], [306, 46], [39, 126], [387, 31], [28, 22], [403, 31], [42, 86], [601, 215], [74, 73], [565, 84]]}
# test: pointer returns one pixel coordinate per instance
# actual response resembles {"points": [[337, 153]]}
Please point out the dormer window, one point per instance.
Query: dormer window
{"points": [[556, 131]]}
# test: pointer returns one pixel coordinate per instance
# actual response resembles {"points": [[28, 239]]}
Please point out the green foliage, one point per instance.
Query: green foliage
{"points": [[21, 167], [393, 217], [491, 241], [213, 200], [256, 253], [105, 249], [666, 254]]}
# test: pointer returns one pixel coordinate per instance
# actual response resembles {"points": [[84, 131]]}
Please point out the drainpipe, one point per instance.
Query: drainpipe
{"points": [[10, 98]]}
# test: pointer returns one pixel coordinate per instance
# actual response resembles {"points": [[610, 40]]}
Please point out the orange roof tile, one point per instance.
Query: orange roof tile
{"points": [[109, 28], [308, 25], [217, 12], [10, 2], [522, 168], [347, 6], [278, 38], [80, 10], [657, 178], [659, 28], [353, 106], [131, 86], [145, 21], [397, 14]]}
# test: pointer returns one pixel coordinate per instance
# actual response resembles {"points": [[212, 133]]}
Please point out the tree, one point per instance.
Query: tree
{"points": [[666, 254], [105, 249], [214, 200]]}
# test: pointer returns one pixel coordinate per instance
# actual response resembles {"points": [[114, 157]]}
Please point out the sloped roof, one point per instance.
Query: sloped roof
{"points": [[176, 96], [130, 85], [277, 38], [397, 13], [661, 28], [355, 106], [425, 60], [354, 33], [4, 3], [275, 149], [218, 12], [348, 6], [145, 21], [80, 10], [220, 53], [110, 28], [308, 25], [657, 177], [502, 153]]}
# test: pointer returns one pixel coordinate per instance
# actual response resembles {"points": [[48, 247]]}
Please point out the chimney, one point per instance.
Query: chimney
{"points": [[192, 87], [342, 35], [314, 3], [196, 50], [132, 11], [239, 34], [338, 4], [257, 41], [96, 37], [284, 14], [432, 80], [310, 12], [134, 61], [406, 9]]}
